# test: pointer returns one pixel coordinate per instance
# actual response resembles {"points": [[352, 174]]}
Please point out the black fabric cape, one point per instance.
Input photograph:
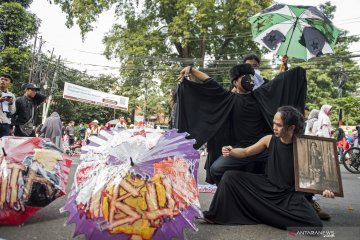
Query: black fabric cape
{"points": [[204, 109], [247, 198]]}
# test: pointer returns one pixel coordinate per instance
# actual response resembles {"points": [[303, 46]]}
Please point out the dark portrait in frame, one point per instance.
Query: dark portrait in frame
{"points": [[316, 165]]}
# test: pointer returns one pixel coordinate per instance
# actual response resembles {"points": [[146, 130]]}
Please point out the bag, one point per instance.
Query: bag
{"points": [[27, 128]]}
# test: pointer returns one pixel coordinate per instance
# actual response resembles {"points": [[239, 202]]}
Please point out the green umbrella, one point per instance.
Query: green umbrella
{"points": [[296, 31]]}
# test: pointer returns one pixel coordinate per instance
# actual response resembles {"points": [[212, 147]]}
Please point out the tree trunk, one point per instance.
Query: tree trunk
{"points": [[202, 50]]}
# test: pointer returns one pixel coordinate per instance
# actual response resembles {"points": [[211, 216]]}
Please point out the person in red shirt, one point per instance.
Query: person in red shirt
{"points": [[341, 142]]}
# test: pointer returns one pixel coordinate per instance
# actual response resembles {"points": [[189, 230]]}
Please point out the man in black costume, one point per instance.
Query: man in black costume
{"points": [[219, 117], [24, 118], [268, 198]]}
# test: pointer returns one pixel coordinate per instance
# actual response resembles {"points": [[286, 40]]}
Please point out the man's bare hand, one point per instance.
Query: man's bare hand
{"points": [[328, 194], [226, 150], [185, 72], [7, 99]]}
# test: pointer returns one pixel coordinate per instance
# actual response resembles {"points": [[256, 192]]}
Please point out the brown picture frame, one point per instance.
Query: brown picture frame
{"points": [[316, 165]]}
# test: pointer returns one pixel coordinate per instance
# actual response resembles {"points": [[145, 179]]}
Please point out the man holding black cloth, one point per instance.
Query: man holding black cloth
{"points": [[26, 111]]}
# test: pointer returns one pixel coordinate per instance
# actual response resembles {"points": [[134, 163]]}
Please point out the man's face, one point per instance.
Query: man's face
{"points": [[4, 82], [253, 63], [281, 130], [30, 92], [278, 125]]}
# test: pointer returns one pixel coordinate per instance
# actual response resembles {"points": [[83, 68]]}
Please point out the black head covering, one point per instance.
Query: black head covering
{"points": [[239, 70], [30, 86], [340, 134], [5, 75]]}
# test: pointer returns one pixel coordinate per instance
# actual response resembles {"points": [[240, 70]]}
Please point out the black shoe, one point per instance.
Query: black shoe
{"points": [[206, 220], [322, 215]]}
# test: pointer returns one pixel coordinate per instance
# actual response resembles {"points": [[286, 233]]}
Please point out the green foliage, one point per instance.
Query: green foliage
{"points": [[333, 79], [24, 3], [350, 107], [17, 27], [328, 9], [17, 62], [158, 37], [84, 11]]}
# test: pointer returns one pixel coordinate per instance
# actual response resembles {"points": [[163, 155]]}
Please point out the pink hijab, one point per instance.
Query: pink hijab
{"points": [[325, 109], [324, 120]]}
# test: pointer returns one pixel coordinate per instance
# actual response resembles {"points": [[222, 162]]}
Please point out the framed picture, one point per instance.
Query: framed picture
{"points": [[316, 165]]}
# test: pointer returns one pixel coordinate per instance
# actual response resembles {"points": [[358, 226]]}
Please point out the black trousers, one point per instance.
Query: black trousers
{"points": [[4, 130], [253, 164]]}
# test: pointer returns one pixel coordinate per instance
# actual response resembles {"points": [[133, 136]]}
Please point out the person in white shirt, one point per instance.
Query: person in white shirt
{"points": [[7, 100], [313, 117], [121, 124], [323, 125], [93, 130]]}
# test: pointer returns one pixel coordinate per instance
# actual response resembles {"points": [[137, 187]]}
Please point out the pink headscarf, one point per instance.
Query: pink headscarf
{"points": [[324, 120], [325, 109]]}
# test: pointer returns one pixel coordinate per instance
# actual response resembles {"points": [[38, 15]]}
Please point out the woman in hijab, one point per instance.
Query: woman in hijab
{"points": [[313, 117], [323, 124], [52, 129]]}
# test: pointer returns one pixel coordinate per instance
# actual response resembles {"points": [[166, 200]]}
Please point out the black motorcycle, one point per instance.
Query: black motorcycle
{"points": [[351, 159]]}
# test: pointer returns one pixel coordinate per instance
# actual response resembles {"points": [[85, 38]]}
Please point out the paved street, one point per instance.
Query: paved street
{"points": [[50, 223]]}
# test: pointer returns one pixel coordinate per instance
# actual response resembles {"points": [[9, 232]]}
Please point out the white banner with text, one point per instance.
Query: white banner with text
{"points": [[87, 95]]}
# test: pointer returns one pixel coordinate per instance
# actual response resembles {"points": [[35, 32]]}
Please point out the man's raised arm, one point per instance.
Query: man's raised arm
{"points": [[187, 71]]}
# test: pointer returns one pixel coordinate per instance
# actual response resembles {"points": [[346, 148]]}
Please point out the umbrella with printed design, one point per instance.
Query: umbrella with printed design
{"points": [[135, 184], [301, 32], [33, 173]]}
